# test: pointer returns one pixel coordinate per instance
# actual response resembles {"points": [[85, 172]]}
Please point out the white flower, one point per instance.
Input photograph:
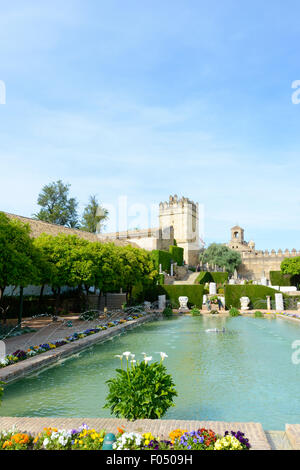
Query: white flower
{"points": [[133, 361], [147, 359], [126, 354], [46, 442], [119, 356], [163, 355], [132, 356]]}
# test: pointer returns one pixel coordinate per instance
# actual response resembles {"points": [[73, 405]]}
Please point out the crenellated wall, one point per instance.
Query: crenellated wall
{"points": [[258, 264]]}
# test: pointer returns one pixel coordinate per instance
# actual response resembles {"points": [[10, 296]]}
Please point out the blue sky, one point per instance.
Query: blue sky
{"points": [[147, 99]]}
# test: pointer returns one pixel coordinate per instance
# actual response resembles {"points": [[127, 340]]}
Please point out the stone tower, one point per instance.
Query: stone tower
{"points": [[238, 242], [183, 215]]}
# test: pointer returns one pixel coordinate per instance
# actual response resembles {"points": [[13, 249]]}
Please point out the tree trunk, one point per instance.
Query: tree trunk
{"points": [[21, 307], [41, 295], [99, 300]]}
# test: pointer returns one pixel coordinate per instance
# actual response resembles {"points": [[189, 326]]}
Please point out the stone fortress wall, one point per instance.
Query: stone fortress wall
{"points": [[256, 264]]}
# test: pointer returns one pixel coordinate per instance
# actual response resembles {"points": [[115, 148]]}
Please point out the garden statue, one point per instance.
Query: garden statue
{"points": [[279, 303], [245, 301], [147, 305], [183, 303]]}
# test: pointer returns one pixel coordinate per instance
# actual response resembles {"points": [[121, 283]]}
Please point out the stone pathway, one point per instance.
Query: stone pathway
{"points": [[293, 433], [278, 440], [159, 428]]}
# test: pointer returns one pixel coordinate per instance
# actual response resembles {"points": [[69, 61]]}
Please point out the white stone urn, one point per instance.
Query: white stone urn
{"points": [[183, 303], [245, 301]]}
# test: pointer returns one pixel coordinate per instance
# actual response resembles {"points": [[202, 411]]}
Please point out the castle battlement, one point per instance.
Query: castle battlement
{"points": [[267, 254], [174, 202]]}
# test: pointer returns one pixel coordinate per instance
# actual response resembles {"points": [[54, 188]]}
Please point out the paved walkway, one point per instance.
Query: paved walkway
{"points": [[189, 279], [160, 428]]}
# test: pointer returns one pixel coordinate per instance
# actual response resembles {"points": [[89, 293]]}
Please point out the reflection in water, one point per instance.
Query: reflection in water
{"points": [[244, 374]]}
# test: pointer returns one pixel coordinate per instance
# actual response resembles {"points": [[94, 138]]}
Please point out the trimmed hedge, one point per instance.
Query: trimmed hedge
{"points": [[163, 258], [204, 277], [218, 278], [176, 253], [279, 279], [172, 292], [256, 294]]}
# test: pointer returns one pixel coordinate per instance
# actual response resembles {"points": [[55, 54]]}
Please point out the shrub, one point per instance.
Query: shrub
{"points": [[220, 278], [163, 258], [161, 279], [176, 253], [204, 277], [258, 314], [221, 290], [256, 294], [279, 279], [141, 391], [167, 312], [234, 312], [195, 312]]}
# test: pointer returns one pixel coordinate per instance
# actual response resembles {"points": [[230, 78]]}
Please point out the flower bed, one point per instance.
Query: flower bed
{"points": [[32, 351], [84, 438]]}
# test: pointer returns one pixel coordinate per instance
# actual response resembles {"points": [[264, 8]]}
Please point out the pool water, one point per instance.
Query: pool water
{"points": [[244, 374]]}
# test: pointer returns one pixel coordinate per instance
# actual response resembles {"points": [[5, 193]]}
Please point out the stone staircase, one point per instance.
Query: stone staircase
{"points": [[190, 278]]}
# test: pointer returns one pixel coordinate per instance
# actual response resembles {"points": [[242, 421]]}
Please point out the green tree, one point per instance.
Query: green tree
{"points": [[93, 216], [291, 266], [17, 255], [56, 205], [222, 256]]}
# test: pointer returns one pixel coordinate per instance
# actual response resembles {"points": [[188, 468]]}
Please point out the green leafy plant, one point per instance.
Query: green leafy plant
{"points": [[140, 390], [234, 312], [167, 312], [258, 314], [195, 312]]}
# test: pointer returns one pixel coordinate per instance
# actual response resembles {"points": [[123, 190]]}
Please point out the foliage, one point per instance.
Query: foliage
{"points": [[56, 206], [163, 258], [93, 216], [258, 314], [234, 312], [172, 292], [17, 254], [195, 312], [167, 312], [291, 266], [141, 391], [217, 277], [279, 279], [256, 294], [161, 279], [221, 255], [176, 253]]}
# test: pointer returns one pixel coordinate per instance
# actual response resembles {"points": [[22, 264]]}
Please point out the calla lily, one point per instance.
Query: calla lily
{"points": [[126, 354], [147, 359], [163, 355]]}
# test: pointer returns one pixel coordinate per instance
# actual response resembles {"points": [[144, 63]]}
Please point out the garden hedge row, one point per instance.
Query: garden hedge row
{"points": [[163, 258], [256, 294], [193, 292], [279, 279], [218, 278], [176, 253]]}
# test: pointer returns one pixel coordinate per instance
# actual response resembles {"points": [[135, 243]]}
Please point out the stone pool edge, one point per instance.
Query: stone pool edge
{"points": [[21, 369]]}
